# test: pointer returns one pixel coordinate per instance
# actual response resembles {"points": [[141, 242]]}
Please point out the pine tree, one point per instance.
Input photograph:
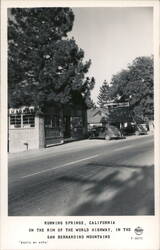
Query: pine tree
{"points": [[104, 94], [92, 104], [44, 66]]}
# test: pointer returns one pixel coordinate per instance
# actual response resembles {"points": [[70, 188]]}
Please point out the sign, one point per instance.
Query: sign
{"points": [[22, 110], [117, 104]]}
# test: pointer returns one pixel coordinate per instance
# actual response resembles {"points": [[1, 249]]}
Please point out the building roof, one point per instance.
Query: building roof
{"points": [[95, 115], [120, 114]]}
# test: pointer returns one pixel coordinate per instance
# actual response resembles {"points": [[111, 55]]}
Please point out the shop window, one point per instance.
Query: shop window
{"points": [[15, 121], [52, 121], [28, 121], [22, 121], [77, 121], [55, 121]]}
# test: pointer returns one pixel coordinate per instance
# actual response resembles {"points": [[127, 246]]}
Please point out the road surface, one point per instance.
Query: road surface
{"points": [[89, 177]]}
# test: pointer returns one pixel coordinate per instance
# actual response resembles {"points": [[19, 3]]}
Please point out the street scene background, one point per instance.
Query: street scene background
{"points": [[80, 111]]}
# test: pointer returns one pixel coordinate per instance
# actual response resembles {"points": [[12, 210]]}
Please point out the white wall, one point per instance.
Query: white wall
{"points": [[19, 136]]}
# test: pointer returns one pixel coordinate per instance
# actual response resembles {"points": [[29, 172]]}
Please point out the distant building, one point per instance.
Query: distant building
{"points": [[96, 116], [117, 114]]}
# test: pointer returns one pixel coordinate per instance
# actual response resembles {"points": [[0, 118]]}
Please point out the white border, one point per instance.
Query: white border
{"points": [[151, 223]]}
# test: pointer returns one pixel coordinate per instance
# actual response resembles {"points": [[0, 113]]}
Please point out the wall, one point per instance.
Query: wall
{"points": [[19, 136]]}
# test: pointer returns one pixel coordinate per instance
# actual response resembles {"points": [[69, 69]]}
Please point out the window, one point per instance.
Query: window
{"points": [[15, 121], [22, 121], [52, 121], [77, 121], [28, 121]]}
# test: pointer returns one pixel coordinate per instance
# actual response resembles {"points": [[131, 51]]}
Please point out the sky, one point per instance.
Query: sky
{"points": [[112, 38]]}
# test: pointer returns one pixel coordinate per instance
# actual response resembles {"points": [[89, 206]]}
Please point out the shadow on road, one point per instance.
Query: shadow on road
{"points": [[114, 190]]}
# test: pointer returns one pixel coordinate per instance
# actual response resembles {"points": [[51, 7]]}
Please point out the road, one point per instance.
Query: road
{"points": [[89, 177]]}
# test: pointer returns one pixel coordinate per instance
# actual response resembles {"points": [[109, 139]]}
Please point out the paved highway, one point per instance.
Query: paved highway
{"points": [[89, 177]]}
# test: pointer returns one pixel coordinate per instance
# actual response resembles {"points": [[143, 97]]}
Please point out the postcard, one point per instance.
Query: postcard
{"points": [[80, 135]]}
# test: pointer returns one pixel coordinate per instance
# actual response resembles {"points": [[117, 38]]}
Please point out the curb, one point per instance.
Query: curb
{"points": [[59, 148]]}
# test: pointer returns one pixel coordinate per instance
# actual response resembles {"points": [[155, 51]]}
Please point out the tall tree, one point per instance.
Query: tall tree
{"points": [[117, 85], [104, 94], [136, 86], [44, 66]]}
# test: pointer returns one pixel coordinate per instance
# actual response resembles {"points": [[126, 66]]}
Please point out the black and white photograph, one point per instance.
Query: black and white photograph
{"points": [[81, 111], [81, 133]]}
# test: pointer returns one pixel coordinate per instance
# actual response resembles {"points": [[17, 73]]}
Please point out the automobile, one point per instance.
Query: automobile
{"points": [[135, 129], [141, 129], [105, 132], [129, 129]]}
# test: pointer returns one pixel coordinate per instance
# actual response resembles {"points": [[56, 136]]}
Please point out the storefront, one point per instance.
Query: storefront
{"points": [[31, 130], [64, 124], [53, 127]]}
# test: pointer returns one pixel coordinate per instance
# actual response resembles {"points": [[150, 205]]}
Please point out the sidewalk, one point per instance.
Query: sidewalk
{"points": [[66, 147]]}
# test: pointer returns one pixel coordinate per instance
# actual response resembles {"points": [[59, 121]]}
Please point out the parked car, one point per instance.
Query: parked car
{"points": [[138, 129], [107, 133], [141, 129], [129, 129]]}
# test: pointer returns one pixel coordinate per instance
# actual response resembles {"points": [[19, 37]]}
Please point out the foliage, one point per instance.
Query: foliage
{"points": [[44, 66], [135, 84], [92, 104], [104, 94]]}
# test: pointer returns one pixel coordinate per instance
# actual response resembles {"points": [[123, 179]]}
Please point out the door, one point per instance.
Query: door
{"points": [[53, 133]]}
